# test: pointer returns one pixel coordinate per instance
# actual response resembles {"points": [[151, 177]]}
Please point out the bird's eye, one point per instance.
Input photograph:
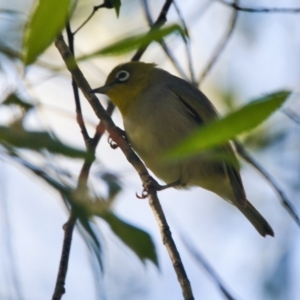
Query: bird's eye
{"points": [[122, 75]]}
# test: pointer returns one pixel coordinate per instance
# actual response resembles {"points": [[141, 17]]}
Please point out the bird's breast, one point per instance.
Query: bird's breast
{"points": [[155, 125]]}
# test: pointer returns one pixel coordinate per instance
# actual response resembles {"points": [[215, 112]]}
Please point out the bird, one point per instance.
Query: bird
{"points": [[159, 110]]}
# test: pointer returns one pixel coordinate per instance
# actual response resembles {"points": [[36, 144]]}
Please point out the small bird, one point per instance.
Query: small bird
{"points": [[159, 110]]}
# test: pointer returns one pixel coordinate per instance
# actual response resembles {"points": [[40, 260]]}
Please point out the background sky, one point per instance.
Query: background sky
{"points": [[261, 57]]}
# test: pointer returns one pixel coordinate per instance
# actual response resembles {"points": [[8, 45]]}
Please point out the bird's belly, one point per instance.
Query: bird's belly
{"points": [[151, 142]]}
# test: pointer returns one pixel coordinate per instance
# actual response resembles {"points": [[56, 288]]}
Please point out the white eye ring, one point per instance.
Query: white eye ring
{"points": [[122, 75]]}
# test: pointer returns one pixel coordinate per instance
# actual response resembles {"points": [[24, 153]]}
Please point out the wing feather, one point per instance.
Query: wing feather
{"points": [[203, 111]]}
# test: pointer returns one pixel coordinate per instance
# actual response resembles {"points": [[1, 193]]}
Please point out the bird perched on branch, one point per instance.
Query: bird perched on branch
{"points": [[159, 110]]}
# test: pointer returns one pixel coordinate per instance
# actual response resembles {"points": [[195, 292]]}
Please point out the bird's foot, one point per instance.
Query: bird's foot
{"points": [[151, 183], [112, 143]]}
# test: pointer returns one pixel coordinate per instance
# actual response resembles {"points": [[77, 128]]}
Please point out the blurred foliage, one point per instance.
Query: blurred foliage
{"points": [[277, 285], [141, 40], [220, 131], [113, 3], [136, 239], [14, 100], [15, 135], [85, 207], [46, 22]]}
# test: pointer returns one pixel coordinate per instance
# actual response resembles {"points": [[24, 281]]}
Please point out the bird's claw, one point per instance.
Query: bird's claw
{"points": [[112, 144], [148, 183], [144, 194], [151, 183]]}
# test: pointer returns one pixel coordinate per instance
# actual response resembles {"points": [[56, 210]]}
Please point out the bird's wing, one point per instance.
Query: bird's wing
{"points": [[232, 169], [203, 111], [190, 96]]}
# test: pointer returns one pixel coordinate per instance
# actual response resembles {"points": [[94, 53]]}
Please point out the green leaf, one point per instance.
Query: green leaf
{"points": [[36, 140], [128, 44], [46, 22], [220, 131], [136, 239], [14, 100], [113, 183], [116, 4]]}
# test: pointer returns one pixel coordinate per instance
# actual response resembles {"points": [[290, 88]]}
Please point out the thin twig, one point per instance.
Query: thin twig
{"points": [[284, 200], [202, 261], [64, 260], [91, 145], [82, 183], [170, 245], [8, 241], [106, 4], [221, 46], [132, 158], [100, 129], [259, 9], [161, 20], [163, 44], [187, 45], [292, 115], [59, 289], [79, 116]]}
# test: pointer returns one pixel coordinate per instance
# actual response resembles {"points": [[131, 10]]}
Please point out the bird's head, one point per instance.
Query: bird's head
{"points": [[125, 83]]}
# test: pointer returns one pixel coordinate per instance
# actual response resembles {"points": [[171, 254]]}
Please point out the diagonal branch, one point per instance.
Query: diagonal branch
{"points": [[202, 261], [105, 4], [163, 44], [259, 9], [187, 45], [221, 46], [91, 145], [133, 159], [79, 116], [292, 115], [284, 200], [161, 20], [64, 260]]}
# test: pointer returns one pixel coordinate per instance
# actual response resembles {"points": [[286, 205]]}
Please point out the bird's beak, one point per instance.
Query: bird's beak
{"points": [[101, 90]]}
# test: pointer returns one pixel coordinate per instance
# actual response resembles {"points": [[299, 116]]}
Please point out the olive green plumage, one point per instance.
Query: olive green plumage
{"points": [[158, 111]]}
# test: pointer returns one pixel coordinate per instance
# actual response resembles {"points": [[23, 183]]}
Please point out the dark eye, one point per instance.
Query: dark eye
{"points": [[122, 75]]}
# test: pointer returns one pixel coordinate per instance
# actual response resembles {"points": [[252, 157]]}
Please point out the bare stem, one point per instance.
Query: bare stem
{"points": [[163, 44], [221, 46], [105, 4], [209, 269], [161, 20], [170, 246], [64, 260], [259, 9], [79, 116], [187, 46], [284, 200]]}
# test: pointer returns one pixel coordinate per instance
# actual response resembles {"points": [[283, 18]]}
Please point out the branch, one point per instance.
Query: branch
{"points": [[161, 20], [59, 289], [187, 46], [284, 200], [220, 47], [91, 145], [114, 132], [105, 4], [163, 44], [202, 261], [79, 116], [291, 115], [63, 266], [259, 10]]}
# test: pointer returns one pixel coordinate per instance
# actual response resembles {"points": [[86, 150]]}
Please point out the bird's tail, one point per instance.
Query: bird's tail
{"points": [[256, 219]]}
